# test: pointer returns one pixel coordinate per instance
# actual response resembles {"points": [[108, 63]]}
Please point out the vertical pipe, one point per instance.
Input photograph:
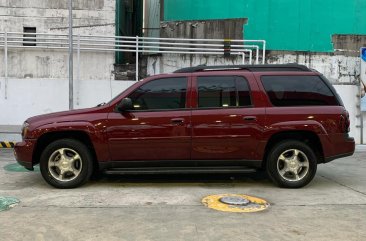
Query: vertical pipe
{"points": [[243, 56], [71, 80], [362, 90], [137, 58], [251, 57], [361, 125], [6, 63], [257, 55], [118, 54], [264, 52], [78, 73], [161, 10]]}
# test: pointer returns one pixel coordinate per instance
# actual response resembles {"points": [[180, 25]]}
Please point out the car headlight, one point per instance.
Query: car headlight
{"points": [[25, 129]]}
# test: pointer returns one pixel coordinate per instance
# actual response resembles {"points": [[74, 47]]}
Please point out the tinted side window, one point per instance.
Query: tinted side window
{"points": [[298, 91], [161, 94], [223, 91]]}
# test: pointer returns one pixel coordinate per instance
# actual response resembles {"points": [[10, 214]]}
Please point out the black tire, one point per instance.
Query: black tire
{"points": [[295, 168], [75, 173]]}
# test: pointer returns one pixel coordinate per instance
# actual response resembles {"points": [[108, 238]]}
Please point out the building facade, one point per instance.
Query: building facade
{"points": [[324, 35], [36, 78]]}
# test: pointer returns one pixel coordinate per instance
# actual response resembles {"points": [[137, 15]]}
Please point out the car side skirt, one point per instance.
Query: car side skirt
{"points": [[217, 164]]}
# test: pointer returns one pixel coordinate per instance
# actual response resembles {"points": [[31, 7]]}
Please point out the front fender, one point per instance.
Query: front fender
{"points": [[63, 126], [95, 133]]}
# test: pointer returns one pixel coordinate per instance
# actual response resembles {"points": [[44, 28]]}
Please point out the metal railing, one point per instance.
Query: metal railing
{"points": [[245, 48]]}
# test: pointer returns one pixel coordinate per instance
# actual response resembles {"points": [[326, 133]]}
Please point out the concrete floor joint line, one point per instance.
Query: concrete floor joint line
{"points": [[343, 185], [111, 207], [320, 205]]}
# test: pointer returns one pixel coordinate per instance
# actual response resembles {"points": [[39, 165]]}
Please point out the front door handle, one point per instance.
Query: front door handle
{"points": [[177, 121], [249, 118]]}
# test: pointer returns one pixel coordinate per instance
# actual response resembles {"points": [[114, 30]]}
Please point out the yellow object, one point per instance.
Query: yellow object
{"points": [[7, 144], [255, 204]]}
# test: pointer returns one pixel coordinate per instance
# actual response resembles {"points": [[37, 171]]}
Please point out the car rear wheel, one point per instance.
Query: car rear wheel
{"points": [[291, 164], [66, 163]]}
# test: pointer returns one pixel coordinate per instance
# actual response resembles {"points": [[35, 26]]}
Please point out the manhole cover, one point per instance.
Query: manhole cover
{"points": [[238, 203], [234, 200], [15, 167], [7, 203]]}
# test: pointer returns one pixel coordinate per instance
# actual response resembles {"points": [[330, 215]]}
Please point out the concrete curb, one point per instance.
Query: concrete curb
{"points": [[7, 144]]}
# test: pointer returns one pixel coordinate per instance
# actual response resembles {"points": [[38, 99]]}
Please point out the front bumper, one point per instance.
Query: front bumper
{"points": [[23, 152]]}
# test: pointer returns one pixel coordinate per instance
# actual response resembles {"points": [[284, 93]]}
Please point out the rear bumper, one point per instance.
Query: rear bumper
{"points": [[343, 146], [23, 152]]}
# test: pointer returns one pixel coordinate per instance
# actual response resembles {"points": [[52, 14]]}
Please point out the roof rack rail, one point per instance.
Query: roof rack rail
{"points": [[252, 68]]}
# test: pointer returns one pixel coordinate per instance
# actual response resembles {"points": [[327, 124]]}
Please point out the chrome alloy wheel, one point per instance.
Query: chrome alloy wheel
{"points": [[65, 164], [293, 165]]}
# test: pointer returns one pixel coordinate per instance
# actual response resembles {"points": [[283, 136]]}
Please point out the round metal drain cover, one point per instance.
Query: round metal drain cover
{"points": [[234, 200], [7, 203], [238, 203]]}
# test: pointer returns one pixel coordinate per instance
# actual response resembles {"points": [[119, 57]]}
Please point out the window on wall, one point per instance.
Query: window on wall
{"points": [[161, 94], [29, 36], [298, 91], [223, 91]]}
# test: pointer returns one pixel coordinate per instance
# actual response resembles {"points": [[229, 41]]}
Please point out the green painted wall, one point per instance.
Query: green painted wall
{"points": [[302, 25]]}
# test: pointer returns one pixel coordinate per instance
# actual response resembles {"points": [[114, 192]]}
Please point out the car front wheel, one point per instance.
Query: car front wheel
{"points": [[66, 163], [291, 164]]}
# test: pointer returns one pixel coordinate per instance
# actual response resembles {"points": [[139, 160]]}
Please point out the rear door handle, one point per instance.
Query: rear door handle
{"points": [[249, 118], [177, 121]]}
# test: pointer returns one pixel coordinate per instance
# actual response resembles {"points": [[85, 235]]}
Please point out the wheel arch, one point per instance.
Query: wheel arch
{"points": [[50, 137], [308, 137]]}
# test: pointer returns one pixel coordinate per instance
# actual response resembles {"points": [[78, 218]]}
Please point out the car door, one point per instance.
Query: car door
{"points": [[159, 126], [225, 124]]}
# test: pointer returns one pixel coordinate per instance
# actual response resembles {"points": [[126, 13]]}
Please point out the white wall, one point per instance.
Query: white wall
{"points": [[37, 81], [338, 68], [36, 63], [29, 97], [168, 63], [96, 17], [52, 15], [350, 97]]}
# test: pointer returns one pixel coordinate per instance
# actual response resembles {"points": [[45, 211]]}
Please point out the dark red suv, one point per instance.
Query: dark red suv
{"points": [[285, 119]]}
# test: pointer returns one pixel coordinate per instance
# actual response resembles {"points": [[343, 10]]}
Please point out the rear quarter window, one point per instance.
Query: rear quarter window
{"points": [[298, 91]]}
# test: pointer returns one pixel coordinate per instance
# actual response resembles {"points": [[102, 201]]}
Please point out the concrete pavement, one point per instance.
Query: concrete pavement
{"points": [[165, 207]]}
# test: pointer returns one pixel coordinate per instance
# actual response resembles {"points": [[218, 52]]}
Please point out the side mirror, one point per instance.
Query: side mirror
{"points": [[125, 105]]}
